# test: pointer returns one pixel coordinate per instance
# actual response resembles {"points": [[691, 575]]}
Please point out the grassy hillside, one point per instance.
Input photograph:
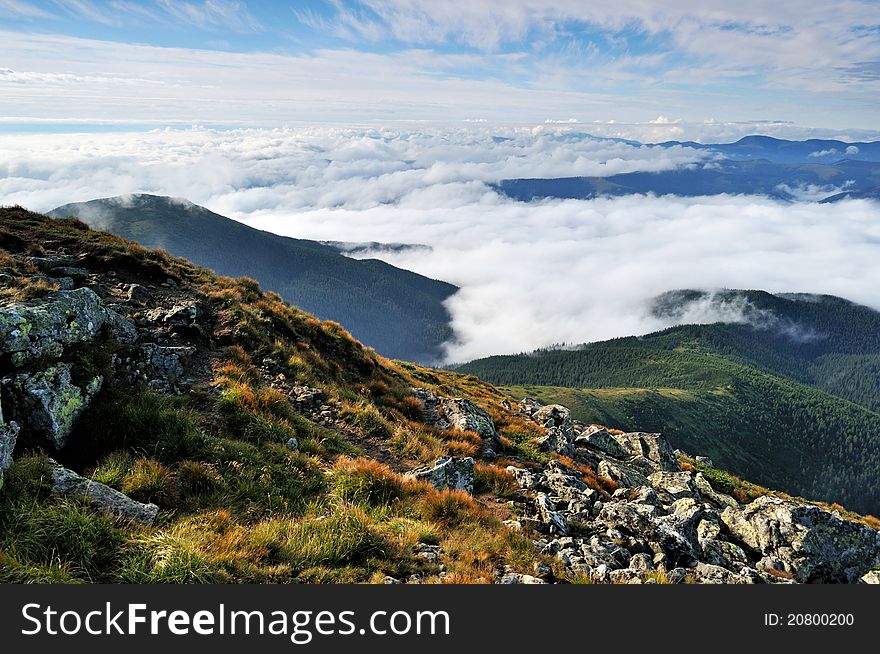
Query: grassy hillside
{"points": [[763, 404], [398, 312]]}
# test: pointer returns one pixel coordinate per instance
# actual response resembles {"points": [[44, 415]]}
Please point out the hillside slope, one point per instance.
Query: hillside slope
{"points": [[398, 312], [788, 399], [161, 424]]}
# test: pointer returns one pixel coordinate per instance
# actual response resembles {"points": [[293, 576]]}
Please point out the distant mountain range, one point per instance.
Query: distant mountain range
{"points": [[789, 396], [782, 181], [823, 170], [398, 312], [783, 151]]}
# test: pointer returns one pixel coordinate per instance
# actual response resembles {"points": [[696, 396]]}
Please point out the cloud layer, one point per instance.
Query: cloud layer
{"points": [[531, 274]]}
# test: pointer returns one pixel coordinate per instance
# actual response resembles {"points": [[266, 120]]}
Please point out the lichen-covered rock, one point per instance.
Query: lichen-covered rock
{"points": [[814, 545], [104, 498], [448, 473], [708, 493], [464, 415], [653, 447], [8, 437], [47, 403], [165, 362], [548, 515], [624, 475], [676, 484], [44, 327]]}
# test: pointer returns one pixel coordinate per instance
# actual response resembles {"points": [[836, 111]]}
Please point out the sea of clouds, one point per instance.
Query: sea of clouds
{"points": [[531, 274]]}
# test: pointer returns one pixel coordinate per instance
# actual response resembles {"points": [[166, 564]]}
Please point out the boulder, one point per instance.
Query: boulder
{"points": [[708, 493], [44, 327], [622, 474], [654, 447], [557, 440], [165, 362], [674, 484], [601, 439], [139, 295], [464, 415], [103, 498], [448, 473], [814, 545], [549, 516], [47, 403], [554, 415], [644, 521]]}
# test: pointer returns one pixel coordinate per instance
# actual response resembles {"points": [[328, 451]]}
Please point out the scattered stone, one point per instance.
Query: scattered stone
{"points": [[448, 473], [675, 484], [705, 460], [292, 444], [104, 498], [548, 515], [557, 440], [47, 403]]}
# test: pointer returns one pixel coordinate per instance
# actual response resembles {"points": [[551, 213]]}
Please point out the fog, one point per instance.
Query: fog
{"points": [[531, 274]]}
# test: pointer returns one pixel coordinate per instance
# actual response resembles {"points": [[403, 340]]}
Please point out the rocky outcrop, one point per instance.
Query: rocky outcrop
{"points": [[600, 439], [47, 403], [462, 415], [101, 497], [812, 544], [44, 327], [448, 473]]}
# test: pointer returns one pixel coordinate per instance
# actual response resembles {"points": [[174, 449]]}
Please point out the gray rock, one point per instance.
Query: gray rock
{"points": [[815, 545], [708, 493], [517, 578], [8, 437], [549, 516], [641, 562], [464, 415], [139, 295], [705, 460], [654, 447], [165, 362], [527, 479], [675, 484], [104, 498], [624, 475], [643, 520], [448, 473], [48, 403], [44, 327], [557, 440], [554, 415], [292, 445], [602, 440]]}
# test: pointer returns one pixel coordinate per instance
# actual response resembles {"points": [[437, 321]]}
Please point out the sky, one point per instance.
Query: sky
{"points": [[390, 121], [684, 63]]}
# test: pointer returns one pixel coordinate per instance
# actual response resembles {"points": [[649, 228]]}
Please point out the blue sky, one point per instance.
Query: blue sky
{"points": [[227, 62]]}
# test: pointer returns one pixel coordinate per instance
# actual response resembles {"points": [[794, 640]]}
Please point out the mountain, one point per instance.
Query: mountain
{"points": [[784, 151], [161, 424], [398, 312], [783, 181], [788, 397], [864, 194]]}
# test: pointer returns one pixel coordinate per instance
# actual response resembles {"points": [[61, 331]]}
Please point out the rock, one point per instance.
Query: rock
{"points": [[643, 520], [464, 415], [8, 437], [554, 415], [44, 327], [526, 479], [675, 484], [448, 473], [104, 498], [47, 403], [815, 545], [548, 515], [622, 474], [654, 447], [165, 362], [705, 460], [516, 578], [180, 315], [557, 440], [72, 272], [601, 439], [641, 562], [292, 445], [872, 577], [707, 492], [529, 405], [139, 295], [388, 579], [430, 553], [713, 574]]}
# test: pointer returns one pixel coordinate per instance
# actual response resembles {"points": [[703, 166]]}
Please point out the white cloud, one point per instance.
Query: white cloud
{"points": [[531, 274], [824, 153]]}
